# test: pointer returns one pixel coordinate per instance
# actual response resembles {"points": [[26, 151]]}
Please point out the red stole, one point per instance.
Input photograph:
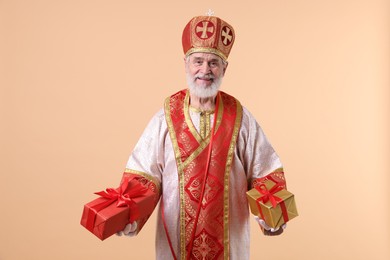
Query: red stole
{"points": [[211, 239]]}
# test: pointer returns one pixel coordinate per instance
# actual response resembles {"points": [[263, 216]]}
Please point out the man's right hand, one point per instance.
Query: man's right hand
{"points": [[129, 230]]}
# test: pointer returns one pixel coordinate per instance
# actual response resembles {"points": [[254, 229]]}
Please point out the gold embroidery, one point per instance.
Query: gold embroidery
{"points": [[191, 126], [207, 119], [171, 129], [205, 49], [188, 118], [195, 154], [202, 125], [196, 41], [229, 160], [200, 110], [202, 143], [146, 176], [279, 172], [220, 113], [180, 173], [184, 178]]}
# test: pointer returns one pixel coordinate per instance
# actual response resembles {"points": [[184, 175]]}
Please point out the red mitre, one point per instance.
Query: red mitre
{"points": [[208, 34]]}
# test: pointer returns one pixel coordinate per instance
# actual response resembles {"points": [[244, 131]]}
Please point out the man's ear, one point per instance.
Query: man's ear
{"points": [[224, 69], [185, 63]]}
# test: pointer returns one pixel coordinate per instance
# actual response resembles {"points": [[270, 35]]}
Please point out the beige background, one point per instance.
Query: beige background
{"points": [[81, 79]]}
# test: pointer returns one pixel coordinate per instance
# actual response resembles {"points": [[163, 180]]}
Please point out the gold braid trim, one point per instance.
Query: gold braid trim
{"points": [[228, 166], [154, 184], [208, 50], [278, 173]]}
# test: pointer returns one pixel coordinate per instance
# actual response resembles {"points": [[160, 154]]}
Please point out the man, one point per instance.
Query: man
{"points": [[201, 153]]}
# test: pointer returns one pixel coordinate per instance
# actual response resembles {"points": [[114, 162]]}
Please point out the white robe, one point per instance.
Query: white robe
{"points": [[253, 158]]}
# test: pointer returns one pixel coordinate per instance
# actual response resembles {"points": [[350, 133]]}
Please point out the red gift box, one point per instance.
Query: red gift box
{"points": [[110, 213]]}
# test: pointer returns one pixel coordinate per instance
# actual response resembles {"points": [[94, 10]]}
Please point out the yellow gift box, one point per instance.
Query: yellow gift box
{"points": [[272, 203]]}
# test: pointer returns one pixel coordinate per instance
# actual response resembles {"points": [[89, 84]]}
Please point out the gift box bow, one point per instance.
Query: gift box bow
{"points": [[269, 195], [122, 197]]}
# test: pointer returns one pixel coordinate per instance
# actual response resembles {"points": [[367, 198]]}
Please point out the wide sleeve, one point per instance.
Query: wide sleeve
{"points": [[256, 154], [146, 161]]}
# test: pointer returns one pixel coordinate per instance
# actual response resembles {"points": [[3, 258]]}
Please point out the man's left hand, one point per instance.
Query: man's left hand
{"points": [[268, 231], [274, 233]]}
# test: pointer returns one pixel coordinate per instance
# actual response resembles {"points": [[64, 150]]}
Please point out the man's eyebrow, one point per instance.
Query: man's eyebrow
{"points": [[202, 59]]}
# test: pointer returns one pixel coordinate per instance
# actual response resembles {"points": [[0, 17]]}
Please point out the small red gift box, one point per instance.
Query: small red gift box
{"points": [[110, 213]]}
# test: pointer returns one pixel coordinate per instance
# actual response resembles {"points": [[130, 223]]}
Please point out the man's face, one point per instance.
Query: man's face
{"points": [[204, 73]]}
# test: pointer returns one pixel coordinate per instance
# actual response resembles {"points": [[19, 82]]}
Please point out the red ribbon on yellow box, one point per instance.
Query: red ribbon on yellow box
{"points": [[122, 197], [270, 200], [269, 195]]}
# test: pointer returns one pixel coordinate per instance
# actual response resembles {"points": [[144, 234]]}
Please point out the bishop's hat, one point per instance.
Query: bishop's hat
{"points": [[208, 34]]}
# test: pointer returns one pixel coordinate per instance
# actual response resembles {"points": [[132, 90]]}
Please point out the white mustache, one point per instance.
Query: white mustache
{"points": [[204, 76]]}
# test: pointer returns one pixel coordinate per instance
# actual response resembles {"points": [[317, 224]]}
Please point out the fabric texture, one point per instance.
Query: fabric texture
{"points": [[253, 158]]}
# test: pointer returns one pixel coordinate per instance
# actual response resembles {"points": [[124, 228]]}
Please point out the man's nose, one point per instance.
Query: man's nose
{"points": [[205, 68]]}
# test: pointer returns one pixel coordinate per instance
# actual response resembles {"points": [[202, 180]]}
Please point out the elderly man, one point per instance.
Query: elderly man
{"points": [[200, 154]]}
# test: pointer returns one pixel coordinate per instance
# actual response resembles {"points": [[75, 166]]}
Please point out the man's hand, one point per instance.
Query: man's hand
{"points": [[273, 233], [129, 230], [267, 230]]}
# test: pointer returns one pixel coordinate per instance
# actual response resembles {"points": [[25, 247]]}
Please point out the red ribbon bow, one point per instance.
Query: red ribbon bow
{"points": [[269, 195], [120, 195], [123, 198]]}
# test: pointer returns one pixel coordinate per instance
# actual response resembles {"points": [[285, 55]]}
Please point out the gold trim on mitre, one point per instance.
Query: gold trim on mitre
{"points": [[206, 49]]}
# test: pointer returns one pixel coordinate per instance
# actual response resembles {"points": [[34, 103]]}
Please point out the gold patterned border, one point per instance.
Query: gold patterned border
{"points": [[226, 48], [195, 154], [200, 110], [220, 113], [207, 50], [202, 126], [278, 170], [176, 149], [237, 125], [188, 118], [202, 142], [146, 176], [172, 130], [191, 126], [202, 145], [208, 120]]}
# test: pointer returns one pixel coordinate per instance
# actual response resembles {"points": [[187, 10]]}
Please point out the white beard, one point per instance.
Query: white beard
{"points": [[203, 92]]}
